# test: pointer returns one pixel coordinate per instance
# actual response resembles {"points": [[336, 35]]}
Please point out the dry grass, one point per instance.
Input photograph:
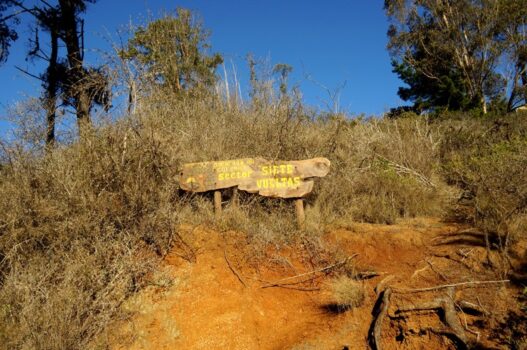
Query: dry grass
{"points": [[347, 293]]}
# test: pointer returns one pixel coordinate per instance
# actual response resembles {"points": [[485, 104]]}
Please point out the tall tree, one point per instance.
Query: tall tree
{"points": [[173, 49], [48, 19], [65, 80], [7, 33], [448, 52], [513, 32], [72, 34]]}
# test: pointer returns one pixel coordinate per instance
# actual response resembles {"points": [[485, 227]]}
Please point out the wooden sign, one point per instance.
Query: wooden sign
{"points": [[282, 179]]}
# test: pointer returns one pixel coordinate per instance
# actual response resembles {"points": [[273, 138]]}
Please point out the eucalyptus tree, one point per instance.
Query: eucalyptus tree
{"points": [[451, 54]]}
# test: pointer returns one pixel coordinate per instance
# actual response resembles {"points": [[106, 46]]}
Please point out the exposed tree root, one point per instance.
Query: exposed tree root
{"points": [[380, 311], [450, 318], [450, 257], [379, 288], [445, 306]]}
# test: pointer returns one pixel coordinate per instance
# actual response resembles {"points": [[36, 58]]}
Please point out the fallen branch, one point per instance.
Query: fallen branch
{"points": [[190, 253], [379, 311], [270, 284], [460, 284], [314, 289], [325, 269], [416, 272], [439, 273], [449, 257], [233, 270]]}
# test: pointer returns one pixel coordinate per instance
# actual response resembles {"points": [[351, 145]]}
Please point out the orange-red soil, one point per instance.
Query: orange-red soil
{"points": [[204, 305]]}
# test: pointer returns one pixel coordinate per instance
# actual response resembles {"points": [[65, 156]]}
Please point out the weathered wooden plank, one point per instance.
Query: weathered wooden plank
{"points": [[285, 179]]}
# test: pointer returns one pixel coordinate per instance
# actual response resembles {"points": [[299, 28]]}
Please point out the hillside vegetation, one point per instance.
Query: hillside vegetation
{"points": [[85, 220], [83, 225]]}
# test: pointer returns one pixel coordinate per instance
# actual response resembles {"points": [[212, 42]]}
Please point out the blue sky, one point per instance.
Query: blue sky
{"points": [[333, 42]]}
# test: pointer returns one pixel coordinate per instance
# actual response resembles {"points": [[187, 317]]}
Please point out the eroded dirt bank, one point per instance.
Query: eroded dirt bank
{"points": [[223, 299]]}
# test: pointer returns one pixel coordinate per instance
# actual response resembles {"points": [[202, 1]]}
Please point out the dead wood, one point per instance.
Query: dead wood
{"points": [[233, 269], [439, 273], [284, 281], [380, 286], [450, 257], [190, 252], [364, 275], [454, 331], [472, 308], [379, 313], [416, 272], [287, 284], [402, 169], [302, 289], [469, 284]]}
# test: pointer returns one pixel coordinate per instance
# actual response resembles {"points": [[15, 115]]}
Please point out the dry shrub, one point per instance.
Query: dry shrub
{"points": [[347, 293], [385, 169], [78, 232], [487, 160]]}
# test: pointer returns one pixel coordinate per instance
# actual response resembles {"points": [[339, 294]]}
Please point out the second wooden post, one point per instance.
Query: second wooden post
{"points": [[217, 204], [300, 215]]}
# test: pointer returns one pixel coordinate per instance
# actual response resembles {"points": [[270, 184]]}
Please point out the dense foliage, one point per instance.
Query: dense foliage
{"points": [[452, 54], [173, 50]]}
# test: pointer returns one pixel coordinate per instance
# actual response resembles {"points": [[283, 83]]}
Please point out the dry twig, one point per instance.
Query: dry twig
{"points": [[460, 284], [324, 269], [233, 270]]}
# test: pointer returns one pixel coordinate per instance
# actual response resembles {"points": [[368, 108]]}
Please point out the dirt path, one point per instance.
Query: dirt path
{"points": [[204, 305]]}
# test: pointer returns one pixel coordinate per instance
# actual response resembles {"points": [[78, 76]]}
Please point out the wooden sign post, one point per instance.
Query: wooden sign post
{"points": [[217, 204], [300, 215], [278, 179]]}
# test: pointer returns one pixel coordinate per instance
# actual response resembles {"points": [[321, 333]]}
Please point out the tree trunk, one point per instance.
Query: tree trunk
{"points": [[484, 104], [519, 74], [51, 91], [524, 82], [75, 59]]}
